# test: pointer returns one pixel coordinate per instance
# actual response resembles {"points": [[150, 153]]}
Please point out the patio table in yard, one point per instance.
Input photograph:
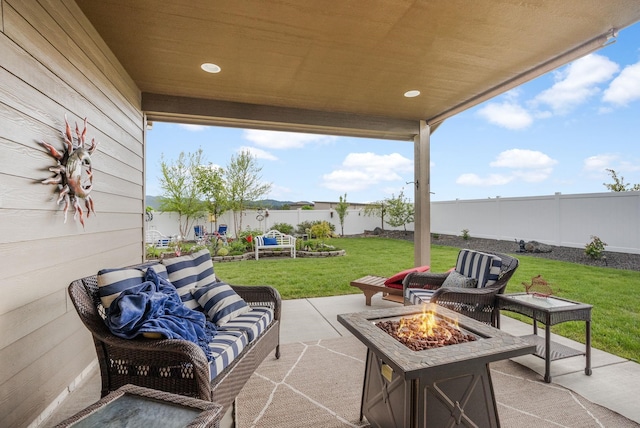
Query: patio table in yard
{"points": [[550, 311]]}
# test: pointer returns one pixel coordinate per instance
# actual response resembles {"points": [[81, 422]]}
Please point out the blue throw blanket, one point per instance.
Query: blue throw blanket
{"points": [[155, 307]]}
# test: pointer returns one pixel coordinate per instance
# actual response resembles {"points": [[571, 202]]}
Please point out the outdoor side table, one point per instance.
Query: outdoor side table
{"points": [[550, 311], [134, 406]]}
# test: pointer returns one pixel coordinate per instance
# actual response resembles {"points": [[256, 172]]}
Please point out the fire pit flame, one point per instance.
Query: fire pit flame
{"points": [[419, 325], [425, 331]]}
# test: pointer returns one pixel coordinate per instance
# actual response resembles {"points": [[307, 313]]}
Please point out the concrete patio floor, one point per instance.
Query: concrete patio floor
{"points": [[615, 382]]}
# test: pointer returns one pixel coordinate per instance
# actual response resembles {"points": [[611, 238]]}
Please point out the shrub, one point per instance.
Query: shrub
{"points": [[305, 226], [465, 234], [153, 252], [595, 248], [224, 251], [313, 245], [238, 246], [435, 236], [321, 230], [285, 228]]}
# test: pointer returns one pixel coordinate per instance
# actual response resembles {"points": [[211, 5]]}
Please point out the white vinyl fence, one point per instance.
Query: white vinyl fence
{"points": [[564, 220], [355, 221]]}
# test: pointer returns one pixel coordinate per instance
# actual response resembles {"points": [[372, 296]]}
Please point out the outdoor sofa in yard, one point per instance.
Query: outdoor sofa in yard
{"points": [[214, 371]]}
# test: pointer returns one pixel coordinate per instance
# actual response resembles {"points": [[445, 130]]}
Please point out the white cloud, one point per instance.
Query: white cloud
{"points": [[522, 158], [490, 180], [283, 140], [599, 163], [625, 88], [508, 114], [257, 153], [576, 83], [192, 128], [526, 165], [533, 175], [279, 191], [360, 171]]}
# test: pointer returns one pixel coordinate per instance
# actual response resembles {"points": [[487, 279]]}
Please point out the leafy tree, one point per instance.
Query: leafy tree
{"points": [[376, 209], [243, 184], [341, 209], [210, 182], [180, 193], [618, 184], [400, 212]]}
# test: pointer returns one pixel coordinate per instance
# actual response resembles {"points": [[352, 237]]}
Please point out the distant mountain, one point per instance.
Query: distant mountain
{"points": [[154, 202]]}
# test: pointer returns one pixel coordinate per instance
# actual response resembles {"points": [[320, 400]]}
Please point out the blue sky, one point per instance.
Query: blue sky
{"points": [[558, 133]]}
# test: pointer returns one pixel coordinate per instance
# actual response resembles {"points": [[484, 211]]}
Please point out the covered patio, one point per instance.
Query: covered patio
{"points": [[384, 69], [311, 323]]}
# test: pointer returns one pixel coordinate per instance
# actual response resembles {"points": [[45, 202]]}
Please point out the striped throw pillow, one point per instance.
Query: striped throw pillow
{"points": [[188, 272], [112, 282], [484, 267], [220, 302]]}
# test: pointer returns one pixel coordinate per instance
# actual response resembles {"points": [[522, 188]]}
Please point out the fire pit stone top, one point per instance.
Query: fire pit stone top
{"points": [[492, 344]]}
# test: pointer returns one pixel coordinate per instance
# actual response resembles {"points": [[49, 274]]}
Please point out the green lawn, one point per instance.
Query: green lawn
{"points": [[613, 293]]}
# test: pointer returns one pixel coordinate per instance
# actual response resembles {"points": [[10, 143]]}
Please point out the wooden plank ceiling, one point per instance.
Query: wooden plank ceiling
{"points": [[343, 66]]}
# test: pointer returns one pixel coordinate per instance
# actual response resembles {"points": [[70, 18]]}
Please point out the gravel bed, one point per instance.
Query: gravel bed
{"points": [[567, 254]]}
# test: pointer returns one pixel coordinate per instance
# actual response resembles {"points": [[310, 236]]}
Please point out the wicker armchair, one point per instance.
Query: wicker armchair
{"points": [[476, 303], [171, 365]]}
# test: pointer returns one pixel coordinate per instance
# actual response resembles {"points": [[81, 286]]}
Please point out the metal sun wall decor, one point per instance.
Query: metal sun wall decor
{"points": [[74, 175]]}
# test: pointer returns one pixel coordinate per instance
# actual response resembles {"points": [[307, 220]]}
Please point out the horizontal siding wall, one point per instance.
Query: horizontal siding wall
{"points": [[52, 64]]}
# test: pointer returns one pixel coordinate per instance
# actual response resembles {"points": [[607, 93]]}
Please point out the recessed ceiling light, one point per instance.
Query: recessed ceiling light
{"points": [[412, 94], [210, 68]]}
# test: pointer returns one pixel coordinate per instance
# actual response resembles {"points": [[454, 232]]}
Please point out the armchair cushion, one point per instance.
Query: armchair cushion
{"points": [[220, 302], [484, 267], [455, 279], [395, 281], [188, 272]]}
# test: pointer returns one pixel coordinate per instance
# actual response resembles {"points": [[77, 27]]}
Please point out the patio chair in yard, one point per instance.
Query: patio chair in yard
{"points": [[470, 289], [200, 234], [221, 233]]}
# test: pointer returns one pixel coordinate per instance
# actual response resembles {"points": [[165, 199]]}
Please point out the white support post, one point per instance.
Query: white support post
{"points": [[422, 198]]}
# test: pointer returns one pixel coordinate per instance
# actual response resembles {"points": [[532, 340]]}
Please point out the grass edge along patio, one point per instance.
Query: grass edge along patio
{"points": [[616, 321]]}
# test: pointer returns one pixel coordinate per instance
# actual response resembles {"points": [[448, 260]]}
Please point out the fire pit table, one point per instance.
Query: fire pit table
{"points": [[441, 386]]}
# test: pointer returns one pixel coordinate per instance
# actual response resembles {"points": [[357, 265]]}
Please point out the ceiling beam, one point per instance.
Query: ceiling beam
{"points": [[167, 108]]}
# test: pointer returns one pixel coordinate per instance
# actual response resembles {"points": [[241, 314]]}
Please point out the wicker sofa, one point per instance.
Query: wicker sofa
{"points": [[180, 366], [478, 303]]}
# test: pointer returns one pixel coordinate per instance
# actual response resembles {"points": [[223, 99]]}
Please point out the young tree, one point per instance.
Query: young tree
{"points": [[244, 184], [341, 209], [210, 183], [180, 193], [400, 212], [618, 184], [376, 209]]}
